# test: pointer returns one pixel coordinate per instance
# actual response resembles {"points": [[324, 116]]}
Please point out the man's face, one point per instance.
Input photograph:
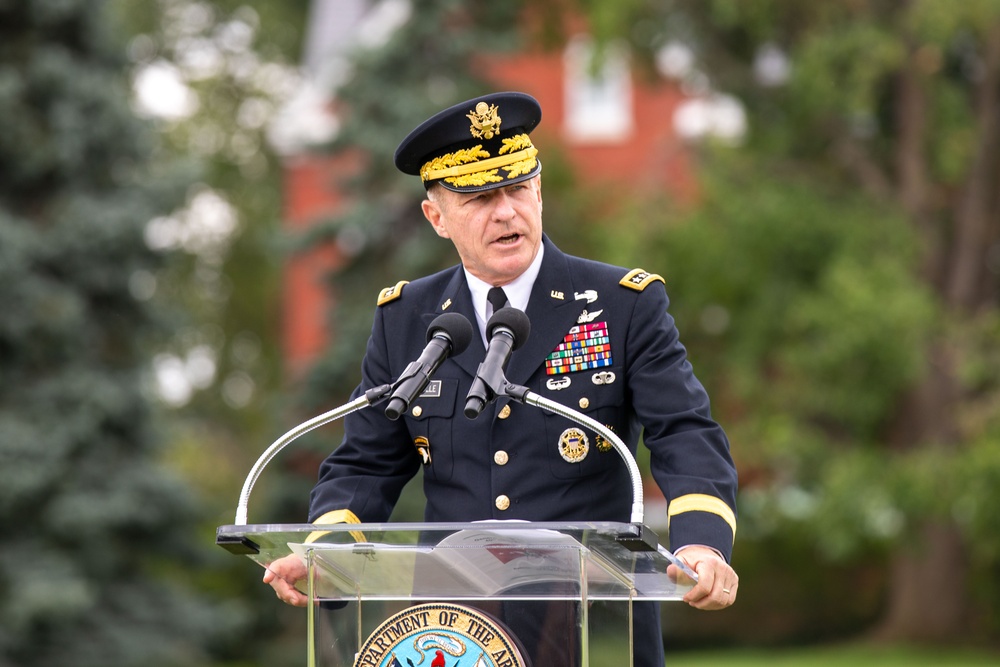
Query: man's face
{"points": [[497, 232]]}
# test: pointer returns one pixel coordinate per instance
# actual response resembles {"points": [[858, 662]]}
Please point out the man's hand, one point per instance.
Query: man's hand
{"points": [[717, 581], [282, 575]]}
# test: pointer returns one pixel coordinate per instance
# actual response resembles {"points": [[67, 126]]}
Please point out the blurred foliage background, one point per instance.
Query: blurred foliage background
{"points": [[835, 280]]}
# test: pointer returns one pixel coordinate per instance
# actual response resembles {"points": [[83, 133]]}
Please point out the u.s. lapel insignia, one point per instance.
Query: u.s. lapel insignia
{"points": [[588, 317], [556, 294], [557, 384], [573, 445], [586, 346], [446, 304], [423, 448]]}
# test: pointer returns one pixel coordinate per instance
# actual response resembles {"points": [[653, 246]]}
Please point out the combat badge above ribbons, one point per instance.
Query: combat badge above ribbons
{"points": [[586, 346], [440, 635]]}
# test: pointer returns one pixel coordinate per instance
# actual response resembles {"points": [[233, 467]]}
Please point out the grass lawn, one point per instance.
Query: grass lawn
{"points": [[836, 656]]}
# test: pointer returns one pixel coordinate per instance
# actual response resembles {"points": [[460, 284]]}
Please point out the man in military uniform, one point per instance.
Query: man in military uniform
{"points": [[601, 341]]}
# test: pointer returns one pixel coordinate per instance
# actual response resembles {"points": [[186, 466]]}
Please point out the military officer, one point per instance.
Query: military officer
{"points": [[601, 341]]}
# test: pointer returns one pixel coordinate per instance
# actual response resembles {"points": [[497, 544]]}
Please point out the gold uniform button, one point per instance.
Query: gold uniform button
{"points": [[501, 458], [503, 502], [584, 403], [417, 411], [505, 412]]}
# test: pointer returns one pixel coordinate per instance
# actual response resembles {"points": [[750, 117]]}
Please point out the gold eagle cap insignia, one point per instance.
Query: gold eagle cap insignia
{"points": [[485, 121]]}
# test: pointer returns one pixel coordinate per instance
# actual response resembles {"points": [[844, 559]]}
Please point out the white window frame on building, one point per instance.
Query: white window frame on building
{"points": [[598, 101]]}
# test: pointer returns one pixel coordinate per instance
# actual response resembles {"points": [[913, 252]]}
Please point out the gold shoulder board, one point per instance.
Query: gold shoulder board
{"points": [[391, 293], [639, 280]]}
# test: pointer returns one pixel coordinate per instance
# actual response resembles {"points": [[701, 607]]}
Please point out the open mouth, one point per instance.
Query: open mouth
{"points": [[508, 239]]}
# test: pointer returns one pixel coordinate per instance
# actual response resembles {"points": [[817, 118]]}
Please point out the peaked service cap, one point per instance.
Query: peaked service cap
{"points": [[477, 145]]}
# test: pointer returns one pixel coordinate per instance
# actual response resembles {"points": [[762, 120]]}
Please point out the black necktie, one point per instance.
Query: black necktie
{"points": [[497, 298]]}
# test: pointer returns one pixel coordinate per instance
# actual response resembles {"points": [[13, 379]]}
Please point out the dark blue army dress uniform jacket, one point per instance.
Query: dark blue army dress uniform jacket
{"points": [[513, 461]]}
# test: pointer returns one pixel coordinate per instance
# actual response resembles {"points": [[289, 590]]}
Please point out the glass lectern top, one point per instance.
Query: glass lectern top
{"points": [[481, 560]]}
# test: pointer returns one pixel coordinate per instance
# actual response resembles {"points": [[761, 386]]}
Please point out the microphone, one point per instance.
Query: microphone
{"points": [[448, 334], [507, 329]]}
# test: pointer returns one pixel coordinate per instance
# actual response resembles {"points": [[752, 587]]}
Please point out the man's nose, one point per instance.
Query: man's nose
{"points": [[503, 207]]}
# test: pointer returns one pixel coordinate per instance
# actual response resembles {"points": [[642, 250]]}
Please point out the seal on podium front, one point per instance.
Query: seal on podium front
{"points": [[440, 635]]}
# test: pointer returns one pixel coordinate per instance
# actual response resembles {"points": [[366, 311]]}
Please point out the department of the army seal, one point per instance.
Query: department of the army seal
{"points": [[440, 635]]}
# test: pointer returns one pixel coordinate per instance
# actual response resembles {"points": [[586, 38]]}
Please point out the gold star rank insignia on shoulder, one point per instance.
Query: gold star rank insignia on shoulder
{"points": [[638, 279], [391, 293]]}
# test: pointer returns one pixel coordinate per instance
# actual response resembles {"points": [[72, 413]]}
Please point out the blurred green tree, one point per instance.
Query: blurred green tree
{"points": [[843, 267], [838, 274], [212, 76], [96, 533]]}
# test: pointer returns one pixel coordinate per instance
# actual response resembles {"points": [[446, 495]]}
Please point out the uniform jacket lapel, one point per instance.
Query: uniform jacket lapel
{"points": [[457, 293], [552, 310]]}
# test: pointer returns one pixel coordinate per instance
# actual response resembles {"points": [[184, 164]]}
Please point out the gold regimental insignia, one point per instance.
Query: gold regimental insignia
{"points": [[573, 445], [391, 293], [440, 635], [639, 280], [603, 444], [485, 121]]}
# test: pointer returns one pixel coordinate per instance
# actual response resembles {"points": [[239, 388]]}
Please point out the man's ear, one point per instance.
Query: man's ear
{"points": [[432, 211]]}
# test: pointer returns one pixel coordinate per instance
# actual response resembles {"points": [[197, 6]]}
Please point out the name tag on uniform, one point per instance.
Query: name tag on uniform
{"points": [[433, 390]]}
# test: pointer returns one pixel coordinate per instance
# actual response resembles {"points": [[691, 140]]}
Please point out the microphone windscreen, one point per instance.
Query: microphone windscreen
{"points": [[456, 326], [513, 319]]}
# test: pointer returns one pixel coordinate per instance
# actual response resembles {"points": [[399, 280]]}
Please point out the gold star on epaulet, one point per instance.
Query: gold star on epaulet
{"points": [[639, 279], [391, 293]]}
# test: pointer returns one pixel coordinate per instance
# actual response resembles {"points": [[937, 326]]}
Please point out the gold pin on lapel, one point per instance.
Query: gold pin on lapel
{"points": [[556, 294], [446, 304]]}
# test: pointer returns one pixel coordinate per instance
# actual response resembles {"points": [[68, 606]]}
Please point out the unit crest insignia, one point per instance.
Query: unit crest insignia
{"points": [[603, 444], [439, 635], [423, 446]]}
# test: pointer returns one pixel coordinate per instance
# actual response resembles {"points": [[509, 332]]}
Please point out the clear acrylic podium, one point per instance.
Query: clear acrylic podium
{"points": [[566, 592]]}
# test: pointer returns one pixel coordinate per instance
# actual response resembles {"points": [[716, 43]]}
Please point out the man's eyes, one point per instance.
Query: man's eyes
{"points": [[490, 194]]}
